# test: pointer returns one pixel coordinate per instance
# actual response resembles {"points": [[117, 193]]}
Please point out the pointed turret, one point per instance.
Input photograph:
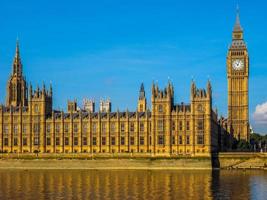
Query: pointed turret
{"points": [[238, 30], [142, 93], [209, 88], [142, 99], [237, 27], [193, 88], [17, 91], [17, 66], [50, 90]]}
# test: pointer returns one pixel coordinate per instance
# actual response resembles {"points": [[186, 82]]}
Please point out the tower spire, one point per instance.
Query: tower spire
{"points": [[17, 66], [237, 27], [142, 92]]}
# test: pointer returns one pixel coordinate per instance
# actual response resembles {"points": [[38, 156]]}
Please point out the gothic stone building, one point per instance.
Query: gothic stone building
{"points": [[28, 122]]}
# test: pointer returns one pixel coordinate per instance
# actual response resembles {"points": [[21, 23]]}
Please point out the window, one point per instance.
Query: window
{"points": [[75, 128], [57, 141], [142, 140], [94, 127], [180, 139], [132, 127], [187, 125], [24, 128], [173, 140], [48, 128], [113, 140], [132, 140], [66, 128], [15, 141], [24, 141], [160, 108], [5, 129], [160, 125], [15, 130], [76, 141], [66, 141], [112, 127], [48, 141], [187, 139], [180, 125], [200, 139], [122, 127], [84, 140], [173, 126], [142, 127], [103, 140], [36, 108], [36, 128], [5, 141], [94, 141], [57, 128], [36, 140], [161, 140], [200, 108], [104, 129], [122, 140], [84, 129], [200, 125]]}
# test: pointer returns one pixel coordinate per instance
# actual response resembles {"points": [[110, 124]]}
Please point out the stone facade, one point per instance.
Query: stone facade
{"points": [[29, 124]]}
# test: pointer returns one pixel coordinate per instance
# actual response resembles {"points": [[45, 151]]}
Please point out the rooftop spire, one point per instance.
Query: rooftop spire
{"points": [[142, 92], [17, 66], [237, 27]]}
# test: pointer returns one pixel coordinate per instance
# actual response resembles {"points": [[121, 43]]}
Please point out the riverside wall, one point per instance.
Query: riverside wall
{"points": [[142, 161]]}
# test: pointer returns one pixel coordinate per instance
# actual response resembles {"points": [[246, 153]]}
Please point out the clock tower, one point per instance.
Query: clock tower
{"points": [[237, 78]]}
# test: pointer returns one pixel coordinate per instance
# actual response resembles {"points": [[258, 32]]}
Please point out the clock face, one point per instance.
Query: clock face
{"points": [[238, 64]]}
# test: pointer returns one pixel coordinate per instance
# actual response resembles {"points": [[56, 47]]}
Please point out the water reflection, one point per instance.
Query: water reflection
{"points": [[82, 184]]}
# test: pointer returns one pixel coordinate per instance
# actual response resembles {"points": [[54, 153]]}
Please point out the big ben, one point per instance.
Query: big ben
{"points": [[238, 80]]}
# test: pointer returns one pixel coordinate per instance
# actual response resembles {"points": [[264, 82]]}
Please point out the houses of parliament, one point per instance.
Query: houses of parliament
{"points": [[29, 124]]}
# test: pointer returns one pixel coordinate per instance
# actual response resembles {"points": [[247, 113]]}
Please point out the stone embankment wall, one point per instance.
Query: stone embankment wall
{"points": [[243, 160], [124, 161]]}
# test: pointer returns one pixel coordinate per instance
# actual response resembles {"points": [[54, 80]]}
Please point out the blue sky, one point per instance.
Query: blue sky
{"points": [[105, 49]]}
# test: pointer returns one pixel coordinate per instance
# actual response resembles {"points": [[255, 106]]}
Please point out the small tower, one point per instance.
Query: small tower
{"points": [[72, 106], [17, 91], [89, 105], [105, 105], [142, 99]]}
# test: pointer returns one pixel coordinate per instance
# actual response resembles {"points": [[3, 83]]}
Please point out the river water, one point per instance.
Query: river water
{"points": [[132, 184]]}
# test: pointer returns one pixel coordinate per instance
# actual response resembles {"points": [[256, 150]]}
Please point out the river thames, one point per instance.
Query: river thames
{"points": [[132, 184]]}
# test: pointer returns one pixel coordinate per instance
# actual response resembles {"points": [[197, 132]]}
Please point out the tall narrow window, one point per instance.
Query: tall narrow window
{"points": [[160, 125], [180, 139], [113, 140], [142, 127], [173, 140], [103, 140], [75, 141], [187, 139], [173, 126], [122, 127], [200, 139], [84, 140], [161, 140], [132, 127], [132, 140], [142, 140], [187, 125], [122, 141]]}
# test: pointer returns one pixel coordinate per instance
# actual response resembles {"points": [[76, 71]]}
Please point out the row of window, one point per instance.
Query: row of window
{"points": [[160, 126], [161, 140]]}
